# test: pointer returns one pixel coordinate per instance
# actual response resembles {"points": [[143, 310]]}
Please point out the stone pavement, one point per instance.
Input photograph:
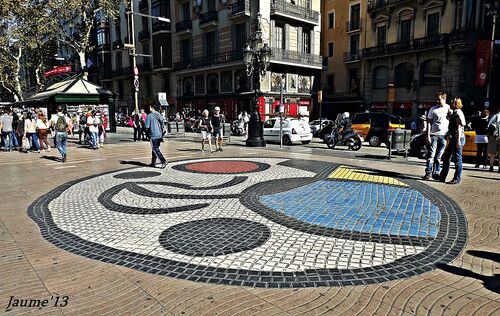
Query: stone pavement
{"points": [[334, 234]]}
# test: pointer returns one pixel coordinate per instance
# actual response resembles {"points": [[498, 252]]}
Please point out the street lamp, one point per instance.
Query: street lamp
{"points": [[256, 56], [493, 10]]}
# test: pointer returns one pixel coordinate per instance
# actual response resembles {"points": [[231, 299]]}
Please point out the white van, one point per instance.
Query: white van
{"points": [[294, 130]]}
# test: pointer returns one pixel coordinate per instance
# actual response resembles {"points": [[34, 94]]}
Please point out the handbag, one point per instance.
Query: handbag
{"points": [[26, 143]]}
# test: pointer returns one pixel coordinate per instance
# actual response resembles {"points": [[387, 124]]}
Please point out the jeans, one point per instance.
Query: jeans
{"points": [[13, 138], [456, 153], [61, 140], [33, 137], [156, 153], [94, 139], [436, 149], [7, 140]]}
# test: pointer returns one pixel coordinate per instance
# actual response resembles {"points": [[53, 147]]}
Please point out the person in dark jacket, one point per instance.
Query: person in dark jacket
{"points": [[481, 139]]}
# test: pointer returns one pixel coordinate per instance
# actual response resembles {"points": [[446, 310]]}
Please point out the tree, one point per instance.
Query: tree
{"points": [[79, 18]]}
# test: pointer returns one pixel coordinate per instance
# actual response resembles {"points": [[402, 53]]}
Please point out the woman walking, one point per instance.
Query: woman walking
{"points": [[457, 142], [481, 140], [30, 131], [42, 128], [494, 138]]}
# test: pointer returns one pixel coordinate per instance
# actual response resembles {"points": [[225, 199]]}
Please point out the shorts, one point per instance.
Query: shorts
{"points": [[205, 135], [493, 145], [218, 132]]}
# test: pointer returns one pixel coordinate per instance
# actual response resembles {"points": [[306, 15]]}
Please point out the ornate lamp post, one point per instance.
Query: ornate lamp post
{"points": [[256, 56]]}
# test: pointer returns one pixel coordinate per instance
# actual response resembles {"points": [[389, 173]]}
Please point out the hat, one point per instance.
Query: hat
{"points": [[217, 108]]}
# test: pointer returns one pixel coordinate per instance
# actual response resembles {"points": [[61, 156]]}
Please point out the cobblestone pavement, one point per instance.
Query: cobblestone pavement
{"points": [[333, 235]]}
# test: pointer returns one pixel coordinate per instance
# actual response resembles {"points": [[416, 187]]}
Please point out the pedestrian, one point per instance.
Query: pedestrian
{"points": [[42, 128], [493, 130], [20, 132], [206, 129], [437, 128], [7, 120], [143, 117], [103, 124], [218, 121], [15, 124], [62, 126], [481, 139], [154, 128], [30, 131], [136, 119], [93, 125], [457, 141]]}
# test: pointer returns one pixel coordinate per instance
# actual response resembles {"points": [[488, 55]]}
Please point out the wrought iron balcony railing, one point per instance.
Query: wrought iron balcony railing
{"points": [[183, 26], [296, 57], [143, 35], [161, 26], [239, 7], [212, 16], [297, 11], [379, 4], [427, 42], [210, 60], [145, 66], [352, 55], [354, 25]]}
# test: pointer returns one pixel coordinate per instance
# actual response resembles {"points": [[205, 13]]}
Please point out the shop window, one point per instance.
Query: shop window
{"points": [[380, 77], [226, 79], [199, 84], [241, 81], [431, 72], [403, 74], [212, 84]]}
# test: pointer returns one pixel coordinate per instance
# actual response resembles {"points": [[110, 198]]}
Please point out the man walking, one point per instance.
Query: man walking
{"points": [[437, 128], [154, 129], [7, 120], [62, 124]]}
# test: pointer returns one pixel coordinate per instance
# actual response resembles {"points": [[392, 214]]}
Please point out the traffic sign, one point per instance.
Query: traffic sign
{"points": [[136, 84], [136, 71]]}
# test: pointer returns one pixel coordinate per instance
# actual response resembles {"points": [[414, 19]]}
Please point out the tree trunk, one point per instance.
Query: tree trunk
{"points": [[17, 72], [83, 63]]}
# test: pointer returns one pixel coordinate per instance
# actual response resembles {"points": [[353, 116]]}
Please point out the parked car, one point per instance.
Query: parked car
{"points": [[374, 127], [315, 128], [294, 130], [418, 145]]}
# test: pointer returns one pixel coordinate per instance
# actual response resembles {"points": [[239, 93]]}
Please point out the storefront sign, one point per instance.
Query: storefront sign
{"points": [[57, 70]]}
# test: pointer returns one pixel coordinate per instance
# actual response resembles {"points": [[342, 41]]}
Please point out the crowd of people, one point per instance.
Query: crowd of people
{"points": [[445, 121], [28, 130]]}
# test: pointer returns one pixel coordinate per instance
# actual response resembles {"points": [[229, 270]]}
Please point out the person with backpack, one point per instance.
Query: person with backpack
{"points": [[493, 131], [154, 127], [61, 124], [82, 122]]}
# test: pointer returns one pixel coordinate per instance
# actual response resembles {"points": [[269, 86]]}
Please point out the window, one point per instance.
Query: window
{"points": [[331, 20], [145, 24], [361, 118], [102, 37], [240, 37], [380, 77], [269, 123], [306, 42], [211, 5], [212, 84], [211, 43], [186, 50], [330, 49], [405, 31], [403, 74], [354, 45], [330, 82], [226, 81], [121, 90], [354, 81], [155, 9], [186, 14], [118, 60], [433, 24], [280, 37], [199, 84], [381, 35], [355, 17], [431, 73]]}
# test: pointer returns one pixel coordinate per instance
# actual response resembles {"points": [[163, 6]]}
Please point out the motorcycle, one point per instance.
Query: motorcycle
{"points": [[238, 128], [337, 138]]}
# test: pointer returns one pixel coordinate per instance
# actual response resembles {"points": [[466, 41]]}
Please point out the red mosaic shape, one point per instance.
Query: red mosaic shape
{"points": [[222, 167]]}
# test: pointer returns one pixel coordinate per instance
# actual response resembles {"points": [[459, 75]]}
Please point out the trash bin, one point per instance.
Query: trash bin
{"points": [[399, 139]]}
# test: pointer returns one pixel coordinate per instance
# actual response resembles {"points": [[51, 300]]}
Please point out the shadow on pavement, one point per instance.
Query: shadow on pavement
{"points": [[384, 157], [133, 163], [51, 158], [486, 178], [492, 283]]}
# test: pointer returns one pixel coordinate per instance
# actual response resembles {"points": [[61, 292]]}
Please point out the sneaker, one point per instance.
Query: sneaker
{"points": [[427, 176], [454, 181], [220, 149], [436, 176], [64, 158], [164, 165], [491, 169], [152, 165], [476, 166]]}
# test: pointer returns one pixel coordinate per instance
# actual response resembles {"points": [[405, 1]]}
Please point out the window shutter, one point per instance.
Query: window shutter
{"points": [[300, 45], [286, 31]]}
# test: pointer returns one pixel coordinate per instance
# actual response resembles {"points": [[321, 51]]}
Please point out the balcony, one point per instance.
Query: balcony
{"points": [[143, 6], [292, 11], [240, 8], [159, 26], [279, 55], [212, 60], [144, 35], [119, 72], [352, 56], [184, 27], [375, 5], [145, 66], [354, 25], [424, 43], [209, 19]]}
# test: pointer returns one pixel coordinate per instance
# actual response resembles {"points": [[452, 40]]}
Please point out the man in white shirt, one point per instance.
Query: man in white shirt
{"points": [[93, 125], [437, 128], [494, 138], [62, 124]]}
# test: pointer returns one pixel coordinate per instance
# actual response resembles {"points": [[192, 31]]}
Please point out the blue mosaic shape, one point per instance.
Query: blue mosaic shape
{"points": [[360, 207]]}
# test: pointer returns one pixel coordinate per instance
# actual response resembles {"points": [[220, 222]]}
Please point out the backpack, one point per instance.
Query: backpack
{"points": [[493, 128], [83, 119], [61, 124]]}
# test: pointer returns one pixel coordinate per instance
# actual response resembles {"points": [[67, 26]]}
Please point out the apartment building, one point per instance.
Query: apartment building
{"points": [[344, 34], [210, 37]]}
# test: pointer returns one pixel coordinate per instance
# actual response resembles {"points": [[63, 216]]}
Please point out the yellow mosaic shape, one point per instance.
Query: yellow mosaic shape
{"points": [[346, 173]]}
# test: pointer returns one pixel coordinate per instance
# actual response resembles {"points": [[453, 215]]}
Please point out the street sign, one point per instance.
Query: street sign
{"points": [[162, 98], [136, 71], [136, 84]]}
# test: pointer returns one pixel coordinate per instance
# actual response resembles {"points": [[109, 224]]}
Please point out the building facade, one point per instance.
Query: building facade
{"points": [[209, 40]]}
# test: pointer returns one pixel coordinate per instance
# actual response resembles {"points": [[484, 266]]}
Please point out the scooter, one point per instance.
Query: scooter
{"points": [[336, 138]]}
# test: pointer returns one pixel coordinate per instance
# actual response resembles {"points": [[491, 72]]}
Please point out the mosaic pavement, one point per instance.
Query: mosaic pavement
{"points": [[260, 222]]}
